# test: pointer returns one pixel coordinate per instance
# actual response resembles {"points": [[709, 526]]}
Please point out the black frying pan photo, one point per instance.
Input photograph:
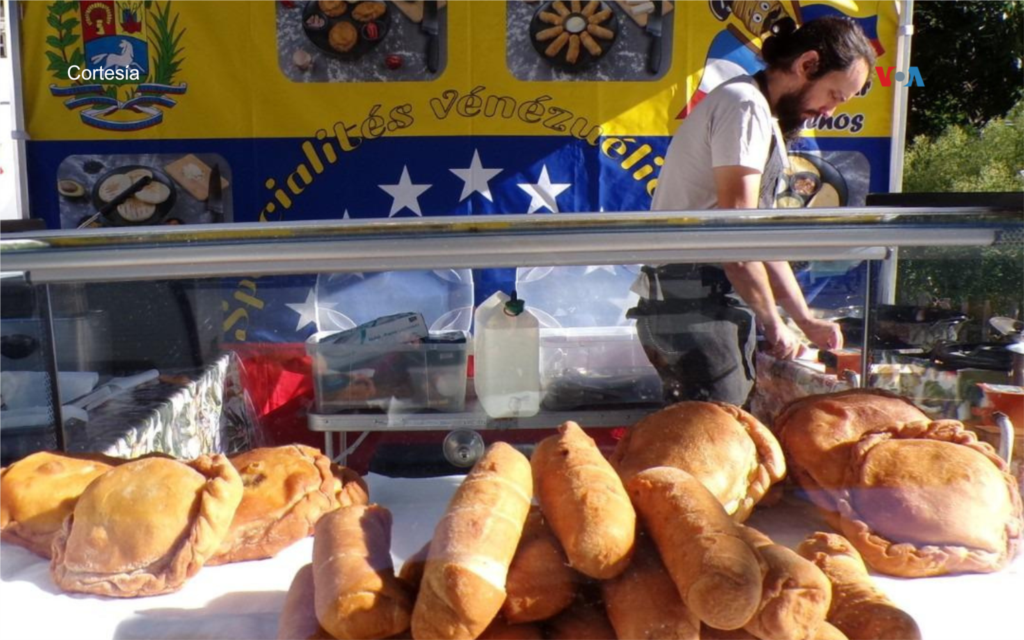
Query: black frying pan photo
{"points": [[812, 182], [113, 217], [360, 35]]}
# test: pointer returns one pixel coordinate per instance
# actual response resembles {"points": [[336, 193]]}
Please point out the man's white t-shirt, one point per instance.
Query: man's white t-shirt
{"points": [[732, 126]]}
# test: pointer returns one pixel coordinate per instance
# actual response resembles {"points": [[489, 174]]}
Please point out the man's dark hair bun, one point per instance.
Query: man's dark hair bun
{"points": [[783, 27], [780, 43], [838, 40]]}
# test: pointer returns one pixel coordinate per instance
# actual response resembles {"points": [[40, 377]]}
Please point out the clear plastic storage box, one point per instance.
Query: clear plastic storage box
{"points": [[599, 366], [394, 377], [590, 354], [408, 377]]}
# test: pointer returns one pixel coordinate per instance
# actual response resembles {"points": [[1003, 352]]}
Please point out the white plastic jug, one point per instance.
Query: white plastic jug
{"points": [[506, 357]]}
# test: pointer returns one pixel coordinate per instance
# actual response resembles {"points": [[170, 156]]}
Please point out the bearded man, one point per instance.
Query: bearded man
{"points": [[729, 154]]}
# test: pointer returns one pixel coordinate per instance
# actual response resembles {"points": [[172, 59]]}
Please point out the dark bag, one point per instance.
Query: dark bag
{"points": [[702, 349]]}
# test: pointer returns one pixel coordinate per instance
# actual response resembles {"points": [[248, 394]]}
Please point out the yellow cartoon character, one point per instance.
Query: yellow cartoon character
{"points": [[757, 16]]}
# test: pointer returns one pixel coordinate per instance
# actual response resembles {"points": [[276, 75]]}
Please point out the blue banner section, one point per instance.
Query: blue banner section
{"points": [[296, 179]]}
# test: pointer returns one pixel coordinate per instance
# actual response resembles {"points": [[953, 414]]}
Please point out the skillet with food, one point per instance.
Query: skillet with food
{"points": [[811, 182], [148, 205], [346, 30]]}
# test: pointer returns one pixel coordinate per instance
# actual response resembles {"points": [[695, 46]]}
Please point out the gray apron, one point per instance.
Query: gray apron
{"points": [[699, 340]]}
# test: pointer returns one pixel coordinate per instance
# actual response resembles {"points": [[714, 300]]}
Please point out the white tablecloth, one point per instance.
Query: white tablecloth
{"points": [[242, 601]]}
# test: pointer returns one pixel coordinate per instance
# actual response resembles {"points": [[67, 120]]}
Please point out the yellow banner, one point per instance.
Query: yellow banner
{"points": [[231, 70]]}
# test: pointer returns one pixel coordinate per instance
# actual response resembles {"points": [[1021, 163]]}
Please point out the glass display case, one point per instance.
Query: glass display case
{"points": [[206, 339]]}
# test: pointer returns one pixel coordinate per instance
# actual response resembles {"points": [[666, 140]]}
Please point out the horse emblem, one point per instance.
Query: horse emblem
{"points": [[121, 58], [124, 59]]}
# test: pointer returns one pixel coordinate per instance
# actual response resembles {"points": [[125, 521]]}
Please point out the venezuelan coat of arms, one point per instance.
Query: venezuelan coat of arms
{"points": [[118, 62]]}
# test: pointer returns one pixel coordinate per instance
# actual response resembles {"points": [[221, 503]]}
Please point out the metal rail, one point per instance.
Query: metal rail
{"points": [[493, 241], [473, 419]]}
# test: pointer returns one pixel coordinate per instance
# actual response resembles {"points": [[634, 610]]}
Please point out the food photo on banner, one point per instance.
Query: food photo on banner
{"points": [[128, 190], [334, 110], [338, 41], [589, 41]]}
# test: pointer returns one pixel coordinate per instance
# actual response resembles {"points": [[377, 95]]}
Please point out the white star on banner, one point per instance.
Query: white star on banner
{"points": [[543, 194], [476, 178], [405, 193], [307, 310], [346, 216]]}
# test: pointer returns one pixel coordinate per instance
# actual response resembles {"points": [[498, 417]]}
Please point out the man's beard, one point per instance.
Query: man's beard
{"points": [[791, 110]]}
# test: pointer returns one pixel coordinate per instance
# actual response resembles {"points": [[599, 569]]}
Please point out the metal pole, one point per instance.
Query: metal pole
{"points": [[18, 133], [899, 108], [865, 343], [50, 354], [898, 143]]}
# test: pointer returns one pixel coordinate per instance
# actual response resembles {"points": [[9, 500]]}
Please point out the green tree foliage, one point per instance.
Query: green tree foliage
{"points": [[970, 57], [965, 159], [983, 282], [987, 282]]}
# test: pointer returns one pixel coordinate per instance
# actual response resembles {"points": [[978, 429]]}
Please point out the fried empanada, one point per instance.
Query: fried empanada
{"points": [[817, 434], [39, 491], [146, 526], [286, 491], [728, 450], [927, 499]]}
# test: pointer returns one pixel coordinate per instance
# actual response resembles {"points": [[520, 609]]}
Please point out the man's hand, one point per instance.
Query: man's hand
{"points": [[825, 334], [782, 343]]}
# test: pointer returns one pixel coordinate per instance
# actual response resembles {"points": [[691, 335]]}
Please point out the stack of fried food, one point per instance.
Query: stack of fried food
{"points": [[647, 545], [144, 527]]}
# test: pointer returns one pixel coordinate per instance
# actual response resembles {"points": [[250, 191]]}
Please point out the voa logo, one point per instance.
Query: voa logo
{"points": [[886, 76]]}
